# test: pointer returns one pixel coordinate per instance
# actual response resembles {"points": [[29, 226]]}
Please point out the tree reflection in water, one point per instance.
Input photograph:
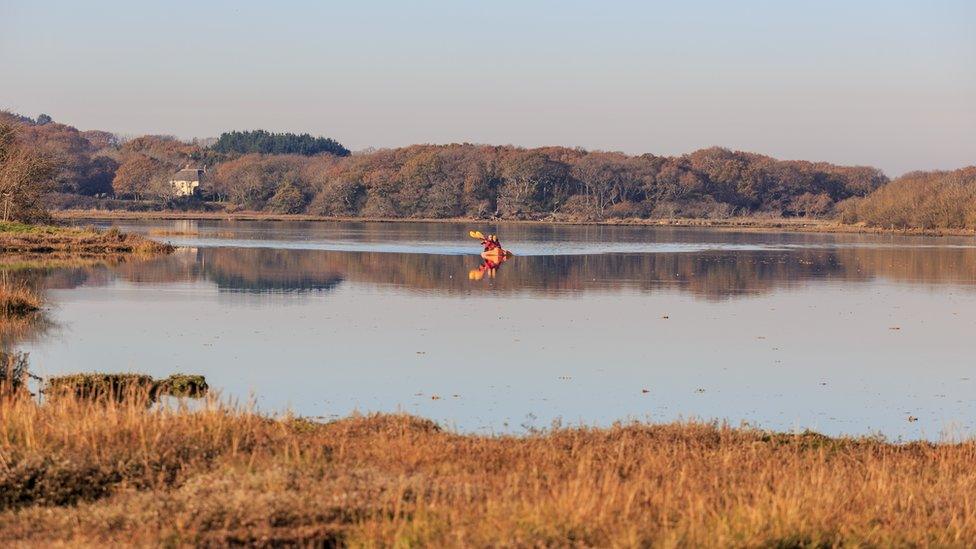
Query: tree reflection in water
{"points": [[710, 275]]}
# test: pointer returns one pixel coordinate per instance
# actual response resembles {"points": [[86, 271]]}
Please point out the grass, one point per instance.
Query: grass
{"points": [[18, 238], [18, 300], [77, 473]]}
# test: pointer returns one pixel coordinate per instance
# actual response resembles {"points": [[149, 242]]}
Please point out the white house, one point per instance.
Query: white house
{"points": [[186, 181]]}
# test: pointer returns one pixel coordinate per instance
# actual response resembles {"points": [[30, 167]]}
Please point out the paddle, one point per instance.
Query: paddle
{"points": [[476, 234]]}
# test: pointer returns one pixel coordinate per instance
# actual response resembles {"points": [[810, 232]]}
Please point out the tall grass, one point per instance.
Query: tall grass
{"points": [[81, 473], [17, 300]]}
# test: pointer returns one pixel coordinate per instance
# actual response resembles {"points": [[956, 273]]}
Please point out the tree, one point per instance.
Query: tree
{"points": [[134, 176], [604, 179], [25, 177], [43, 119], [98, 176], [288, 199], [534, 183]]}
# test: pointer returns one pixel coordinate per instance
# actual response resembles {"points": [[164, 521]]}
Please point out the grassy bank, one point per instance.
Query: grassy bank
{"points": [[19, 238], [119, 474]]}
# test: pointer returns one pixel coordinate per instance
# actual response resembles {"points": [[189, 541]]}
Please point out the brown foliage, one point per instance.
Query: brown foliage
{"points": [[135, 174], [460, 180], [79, 156], [25, 177], [920, 200]]}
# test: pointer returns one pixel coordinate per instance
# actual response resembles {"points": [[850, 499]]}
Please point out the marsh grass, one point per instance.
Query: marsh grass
{"points": [[19, 238], [75, 472], [18, 300]]}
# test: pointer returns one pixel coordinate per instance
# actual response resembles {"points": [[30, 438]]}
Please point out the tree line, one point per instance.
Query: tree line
{"points": [[264, 142], [290, 173]]}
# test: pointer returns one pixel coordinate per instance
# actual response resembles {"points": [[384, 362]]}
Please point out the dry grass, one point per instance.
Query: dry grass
{"points": [[83, 474], [18, 300], [17, 238]]}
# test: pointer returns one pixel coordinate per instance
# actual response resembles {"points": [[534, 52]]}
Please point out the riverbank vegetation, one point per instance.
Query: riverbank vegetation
{"points": [[80, 473], [919, 200], [289, 174], [285, 173]]}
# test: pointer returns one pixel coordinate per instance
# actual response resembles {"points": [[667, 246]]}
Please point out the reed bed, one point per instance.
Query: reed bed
{"points": [[81, 473]]}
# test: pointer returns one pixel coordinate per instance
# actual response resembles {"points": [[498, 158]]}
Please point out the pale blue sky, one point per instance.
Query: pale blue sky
{"points": [[886, 83]]}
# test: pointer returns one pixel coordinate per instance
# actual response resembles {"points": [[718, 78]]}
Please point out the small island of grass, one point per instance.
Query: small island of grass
{"points": [[22, 238]]}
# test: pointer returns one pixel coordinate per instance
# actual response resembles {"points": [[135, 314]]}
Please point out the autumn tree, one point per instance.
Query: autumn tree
{"points": [[25, 177], [135, 175], [534, 183]]}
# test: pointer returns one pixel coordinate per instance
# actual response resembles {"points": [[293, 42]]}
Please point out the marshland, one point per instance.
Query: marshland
{"points": [[697, 416], [487, 274], [91, 474]]}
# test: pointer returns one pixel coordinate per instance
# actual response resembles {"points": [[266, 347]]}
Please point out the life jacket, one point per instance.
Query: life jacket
{"points": [[490, 244]]}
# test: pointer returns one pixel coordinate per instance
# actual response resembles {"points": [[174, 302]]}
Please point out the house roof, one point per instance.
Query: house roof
{"points": [[188, 174]]}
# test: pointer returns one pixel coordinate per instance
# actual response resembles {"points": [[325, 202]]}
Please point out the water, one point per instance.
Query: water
{"points": [[843, 334]]}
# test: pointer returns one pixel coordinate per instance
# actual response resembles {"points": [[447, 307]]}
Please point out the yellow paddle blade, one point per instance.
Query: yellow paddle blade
{"points": [[476, 234]]}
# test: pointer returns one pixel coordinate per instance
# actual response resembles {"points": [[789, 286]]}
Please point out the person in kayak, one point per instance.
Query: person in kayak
{"points": [[492, 253], [490, 242]]}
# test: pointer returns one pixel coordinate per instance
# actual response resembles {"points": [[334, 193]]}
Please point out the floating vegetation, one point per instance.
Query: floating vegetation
{"points": [[124, 386], [183, 385]]}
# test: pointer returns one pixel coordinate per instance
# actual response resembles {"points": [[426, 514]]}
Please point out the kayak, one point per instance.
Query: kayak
{"points": [[496, 255]]}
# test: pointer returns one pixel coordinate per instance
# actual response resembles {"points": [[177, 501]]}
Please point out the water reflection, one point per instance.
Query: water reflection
{"points": [[713, 275], [831, 332]]}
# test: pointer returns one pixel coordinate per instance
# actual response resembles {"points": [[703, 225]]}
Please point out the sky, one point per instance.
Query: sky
{"points": [[890, 84]]}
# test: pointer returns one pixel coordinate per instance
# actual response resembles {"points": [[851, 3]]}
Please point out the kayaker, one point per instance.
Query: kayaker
{"points": [[491, 242]]}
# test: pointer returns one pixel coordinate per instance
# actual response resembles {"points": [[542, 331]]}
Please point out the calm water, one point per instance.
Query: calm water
{"points": [[837, 333]]}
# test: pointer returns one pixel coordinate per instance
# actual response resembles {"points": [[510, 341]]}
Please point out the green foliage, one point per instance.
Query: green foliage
{"points": [[115, 387], [183, 385], [264, 142]]}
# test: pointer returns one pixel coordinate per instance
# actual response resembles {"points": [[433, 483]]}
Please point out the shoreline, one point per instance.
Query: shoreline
{"points": [[736, 224]]}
